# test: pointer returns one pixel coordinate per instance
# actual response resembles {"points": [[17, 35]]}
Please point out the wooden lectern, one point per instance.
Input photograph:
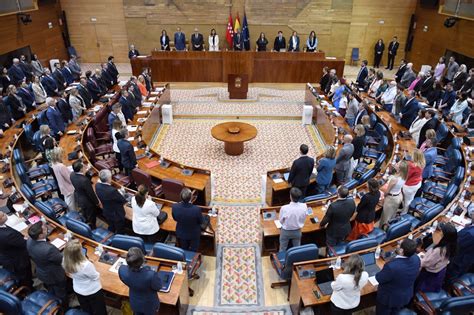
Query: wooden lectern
{"points": [[238, 86]]}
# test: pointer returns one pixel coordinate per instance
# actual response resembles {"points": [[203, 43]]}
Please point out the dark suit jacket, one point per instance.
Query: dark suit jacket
{"points": [[430, 124], [378, 49], [107, 77], [463, 261], [290, 44], [197, 41], [166, 45], [13, 253], [143, 288], [55, 120], [409, 112], [5, 115], [94, 90], [338, 218], [238, 42], [68, 75], [27, 97], [363, 73], [324, 81], [392, 48], [83, 191], [396, 281], [49, 85], [48, 260], [127, 154], [112, 202], [188, 219], [14, 105], [112, 69], [59, 78], [458, 81], [301, 170], [127, 108], [358, 143], [279, 44], [16, 74], [6, 82], [85, 94], [133, 53], [400, 72], [65, 109], [426, 86], [179, 41]]}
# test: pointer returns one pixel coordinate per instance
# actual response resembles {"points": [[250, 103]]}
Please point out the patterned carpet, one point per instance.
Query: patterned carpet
{"points": [[239, 225], [276, 310]]}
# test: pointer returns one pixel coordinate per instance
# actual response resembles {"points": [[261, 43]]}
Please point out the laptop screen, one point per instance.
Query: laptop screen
{"points": [[325, 275], [369, 258]]}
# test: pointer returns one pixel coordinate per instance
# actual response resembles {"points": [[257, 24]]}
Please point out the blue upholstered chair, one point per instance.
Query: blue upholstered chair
{"points": [[441, 133], [374, 153], [464, 285], [42, 118], [394, 231], [58, 214], [355, 55], [38, 302], [441, 303], [40, 170], [352, 246], [8, 281], [362, 167], [374, 137], [28, 129], [444, 154], [366, 176], [193, 260], [444, 172], [125, 242], [437, 196], [99, 235], [426, 216], [283, 261]]}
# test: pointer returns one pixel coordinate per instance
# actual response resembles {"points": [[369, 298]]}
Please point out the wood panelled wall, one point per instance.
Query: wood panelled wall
{"points": [[430, 45], [46, 42], [96, 40]]}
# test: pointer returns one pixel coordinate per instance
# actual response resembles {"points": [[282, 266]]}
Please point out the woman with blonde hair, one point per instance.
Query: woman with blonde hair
{"points": [[393, 194], [430, 135], [85, 279], [325, 168], [142, 85], [347, 286], [414, 178], [63, 177]]}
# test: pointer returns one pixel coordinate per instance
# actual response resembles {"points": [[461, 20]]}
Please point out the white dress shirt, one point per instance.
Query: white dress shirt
{"points": [[293, 215], [86, 280], [214, 45], [345, 294], [388, 96], [144, 220]]}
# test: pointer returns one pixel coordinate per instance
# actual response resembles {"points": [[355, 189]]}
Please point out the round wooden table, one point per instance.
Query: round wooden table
{"points": [[234, 134]]}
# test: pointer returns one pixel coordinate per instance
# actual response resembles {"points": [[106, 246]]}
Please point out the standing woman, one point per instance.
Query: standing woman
{"points": [[85, 279], [145, 214], [38, 91], [456, 111], [358, 142], [142, 86], [262, 42], [38, 68], [378, 52], [393, 194], [77, 104], [164, 41], [5, 80], [117, 125], [312, 42], [364, 220], [347, 286], [325, 168], [414, 178], [213, 41], [143, 283], [439, 69], [63, 177]]}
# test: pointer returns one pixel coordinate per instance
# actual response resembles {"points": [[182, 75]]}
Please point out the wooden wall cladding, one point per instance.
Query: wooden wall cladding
{"points": [[46, 42]]}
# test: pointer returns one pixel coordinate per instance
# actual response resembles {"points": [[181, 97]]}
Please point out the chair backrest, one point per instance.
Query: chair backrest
{"points": [[9, 304], [297, 254], [72, 51], [373, 120], [79, 227], [21, 171], [382, 145], [458, 176], [455, 144], [317, 197], [380, 129], [100, 123], [90, 151], [37, 141], [429, 214], [28, 129], [441, 133], [378, 164], [42, 118], [355, 54], [164, 251], [449, 194], [141, 178], [460, 284], [366, 176], [46, 210], [351, 184], [172, 189], [28, 192], [361, 244], [8, 281], [91, 136], [454, 161], [125, 242], [398, 229], [18, 156], [457, 305]]}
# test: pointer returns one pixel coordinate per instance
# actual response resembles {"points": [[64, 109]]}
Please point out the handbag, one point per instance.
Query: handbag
{"points": [[162, 217]]}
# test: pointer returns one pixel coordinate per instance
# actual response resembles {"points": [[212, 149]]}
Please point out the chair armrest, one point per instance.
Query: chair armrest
{"points": [[332, 250], [437, 179], [21, 291], [428, 307], [276, 263], [439, 148], [463, 284], [45, 306]]}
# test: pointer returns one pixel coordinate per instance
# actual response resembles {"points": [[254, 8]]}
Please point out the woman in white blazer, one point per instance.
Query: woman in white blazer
{"points": [[39, 91], [145, 216], [417, 124], [213, 41], [77, 104]]}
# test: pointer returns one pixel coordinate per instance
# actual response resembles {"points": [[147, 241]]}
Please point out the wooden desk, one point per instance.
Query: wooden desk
{"points": [[210, 66], [234, 134]]}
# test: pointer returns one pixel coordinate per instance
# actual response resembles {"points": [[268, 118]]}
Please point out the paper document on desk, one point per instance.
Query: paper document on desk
{"points": [[159, 89], [109, 95], [132, 128], [58, 243], [115, 267], [373, 281], [278, 180], [152, 99], [331, 58], [277, 224], [147, 104], [142, 112], [135, 149]]}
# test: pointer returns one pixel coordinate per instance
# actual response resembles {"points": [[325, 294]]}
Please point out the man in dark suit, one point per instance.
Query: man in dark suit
{"points": [[128, 109], [27, 96], [55, 119], [49, 83], [106, 76], [448, 99], [188, 219], [133, 53], [294, 42], [179, 40], [16, 73], [410, 110], [392, 52], [332, 80], [48, 260], [427, 84], [97, 77], [84, 193], [59, 77], [280, 42], [26, 67], [363, 73], [301, 170], [401, 70], [93, 87], [337, 219], [127, 153], [361, 113], [112, 202], [84, 92], [135, 90], [112, 69], [432, 123], [197, 40], [14, 103], [396, 280], [13, 254], [343, 160], [238, 40], [64, 108], [67, 73]]}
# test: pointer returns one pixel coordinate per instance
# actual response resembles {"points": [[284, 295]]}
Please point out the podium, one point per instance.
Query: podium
{"points": [[238, 86]]}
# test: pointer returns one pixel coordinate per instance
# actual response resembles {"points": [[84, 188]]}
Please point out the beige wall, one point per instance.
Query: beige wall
{"points": [[339, 24]]}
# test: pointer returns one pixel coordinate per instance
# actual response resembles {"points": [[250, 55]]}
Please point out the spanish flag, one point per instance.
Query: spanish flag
{"points": [[236, 23]]}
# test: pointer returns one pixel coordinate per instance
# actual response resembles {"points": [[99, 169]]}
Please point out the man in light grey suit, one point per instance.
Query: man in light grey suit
{"points": [[343, 161], [408, 77]]}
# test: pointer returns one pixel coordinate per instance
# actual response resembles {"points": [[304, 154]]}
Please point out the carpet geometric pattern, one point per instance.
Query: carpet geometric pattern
{"points": [[237, 283], [239, 225], [275, 310]]}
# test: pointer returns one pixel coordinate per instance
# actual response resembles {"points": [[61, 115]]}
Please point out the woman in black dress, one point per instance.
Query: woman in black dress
{"points": [[262, 42], [378, 52]]}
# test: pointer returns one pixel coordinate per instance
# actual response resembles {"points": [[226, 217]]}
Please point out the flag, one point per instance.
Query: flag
{"points": [[237, 23], [229, 34], [246, 33]]}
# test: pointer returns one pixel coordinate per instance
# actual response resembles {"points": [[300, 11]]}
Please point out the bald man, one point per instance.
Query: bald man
{"points": [[13, 254], [343, 161]]}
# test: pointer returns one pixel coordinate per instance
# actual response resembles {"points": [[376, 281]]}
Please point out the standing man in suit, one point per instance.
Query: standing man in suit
{"points": [[337, 219], [14, 103], [84, 92], [13, 254], [106, 76], [112, 69], [392, 52], [408, 76], [16, 73], [451, 70], [401, 70], [59, 77], [133, 53], [396, 280], [127, 153], [197, 40], [427, 84], [343, 160], [410, 110], [112, 202], [64, 108], [179, 40], [49, 83], [301, 170], [55, 120], [27, 96], [363, 73], [67, 73], [431, 123], [93, 87], [84, 194], [75, 67], [294, 44], [127, 107], [280, 42], [188, 219], [48, 260], [238, 40], [361, 113]]}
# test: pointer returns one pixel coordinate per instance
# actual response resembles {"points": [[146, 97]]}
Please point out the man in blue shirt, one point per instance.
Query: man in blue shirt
{"points": [[55, 120], [179, 40]]}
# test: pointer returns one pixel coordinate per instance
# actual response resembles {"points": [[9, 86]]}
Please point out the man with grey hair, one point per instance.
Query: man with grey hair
{"points": [[408, 77], [127, 153], [332, 80], [16, 73], [343, 160], [188, 219], [451, 70], [112, 202], [388, 96]]}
